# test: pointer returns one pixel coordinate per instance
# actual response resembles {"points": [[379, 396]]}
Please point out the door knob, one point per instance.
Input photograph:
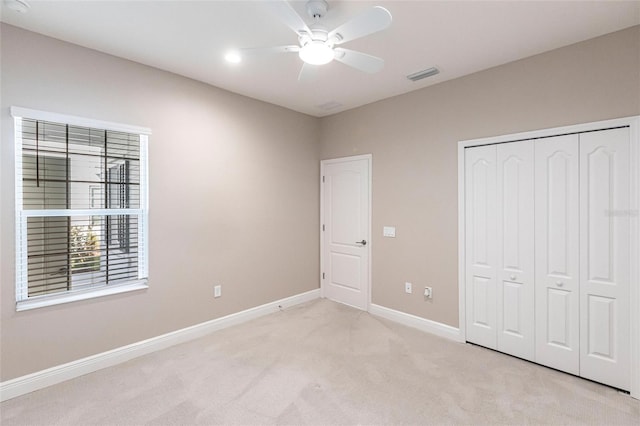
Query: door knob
{"points": [[512, 277], [363, 242], [559, 283]]}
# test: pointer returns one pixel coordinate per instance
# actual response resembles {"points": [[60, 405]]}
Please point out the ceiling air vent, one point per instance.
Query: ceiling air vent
{"points": [[328, 106], [423, 74]]}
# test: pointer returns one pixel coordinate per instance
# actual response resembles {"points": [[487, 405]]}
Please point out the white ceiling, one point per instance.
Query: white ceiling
{"points": [[190, 38]]}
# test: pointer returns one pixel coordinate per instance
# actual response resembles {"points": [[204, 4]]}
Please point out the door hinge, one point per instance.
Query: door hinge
{"points": [[323, 226], [323, 275], [322, 179]]}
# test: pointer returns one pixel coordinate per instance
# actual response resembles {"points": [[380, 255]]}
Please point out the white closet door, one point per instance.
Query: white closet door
{"points": [[557, 247], [515, 247], [604, 257], [480, 217]]}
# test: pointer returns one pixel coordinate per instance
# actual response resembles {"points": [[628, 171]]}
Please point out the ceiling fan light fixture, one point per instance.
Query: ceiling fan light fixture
{"points": [[316, 53]]}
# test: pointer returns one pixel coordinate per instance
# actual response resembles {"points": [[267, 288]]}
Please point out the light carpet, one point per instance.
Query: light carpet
{"points": [[322, 363]]}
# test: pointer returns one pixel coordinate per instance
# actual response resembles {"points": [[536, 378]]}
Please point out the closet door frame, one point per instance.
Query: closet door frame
{"points": [[634, 129]]}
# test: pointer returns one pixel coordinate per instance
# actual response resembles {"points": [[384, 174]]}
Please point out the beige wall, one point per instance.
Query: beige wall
{"points": [[233, 200], [413, 139]]}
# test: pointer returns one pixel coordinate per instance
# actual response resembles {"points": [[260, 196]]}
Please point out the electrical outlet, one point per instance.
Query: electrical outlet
{"points": [[428, 293], [407, 287], [217, 291]]}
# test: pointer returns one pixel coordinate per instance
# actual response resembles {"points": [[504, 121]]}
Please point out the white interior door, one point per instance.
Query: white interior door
{"points": [[557, 248], [480, 261], [605, 353], [515, 258], [346, 227]]}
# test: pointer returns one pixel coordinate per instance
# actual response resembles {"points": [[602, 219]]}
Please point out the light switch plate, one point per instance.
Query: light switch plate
{"points": [[389, 231]]}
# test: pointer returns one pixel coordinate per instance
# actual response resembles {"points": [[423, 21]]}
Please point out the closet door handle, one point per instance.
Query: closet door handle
{"points": [[559, 283], [512, 277], [363, 242]]}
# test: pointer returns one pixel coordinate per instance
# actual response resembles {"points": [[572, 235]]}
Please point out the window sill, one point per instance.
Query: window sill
{"points": [[43, 301]]}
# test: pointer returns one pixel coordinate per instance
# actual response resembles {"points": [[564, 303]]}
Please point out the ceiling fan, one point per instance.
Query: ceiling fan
{"points": [[318, 46]]}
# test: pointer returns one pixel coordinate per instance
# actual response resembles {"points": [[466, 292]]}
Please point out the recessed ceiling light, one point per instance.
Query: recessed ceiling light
{"points": [[20, 6], [233, 56]]}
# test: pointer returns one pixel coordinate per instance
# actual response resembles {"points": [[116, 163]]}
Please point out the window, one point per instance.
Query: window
{"points": [[81, 208]]}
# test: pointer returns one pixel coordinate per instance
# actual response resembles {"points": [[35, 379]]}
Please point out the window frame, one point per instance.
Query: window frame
{"points": [[23, 301]]}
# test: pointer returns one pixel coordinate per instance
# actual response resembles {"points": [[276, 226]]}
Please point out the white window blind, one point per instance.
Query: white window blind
{"points": [[81, 207]]}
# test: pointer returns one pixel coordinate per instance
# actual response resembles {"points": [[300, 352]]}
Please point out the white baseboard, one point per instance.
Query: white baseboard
{"points": [[51, 376], [422, 324]]}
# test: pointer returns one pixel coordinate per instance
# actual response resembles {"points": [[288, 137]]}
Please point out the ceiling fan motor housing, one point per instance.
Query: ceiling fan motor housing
{"points": [[318, 33], [317, 8]]}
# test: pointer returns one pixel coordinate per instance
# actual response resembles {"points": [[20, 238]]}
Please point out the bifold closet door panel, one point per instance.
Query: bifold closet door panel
{"points": [[480, 240], [604, 257], [557, 316], [515, 249]]}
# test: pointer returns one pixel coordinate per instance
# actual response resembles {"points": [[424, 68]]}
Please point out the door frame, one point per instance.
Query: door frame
{"points": [[633, 123], [323, 164]]}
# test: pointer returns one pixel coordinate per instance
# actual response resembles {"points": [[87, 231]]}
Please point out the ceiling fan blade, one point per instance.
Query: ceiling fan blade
{"points": [[287, 14], [253, 51], [358, 60], [373, 20], [308, 72]]}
